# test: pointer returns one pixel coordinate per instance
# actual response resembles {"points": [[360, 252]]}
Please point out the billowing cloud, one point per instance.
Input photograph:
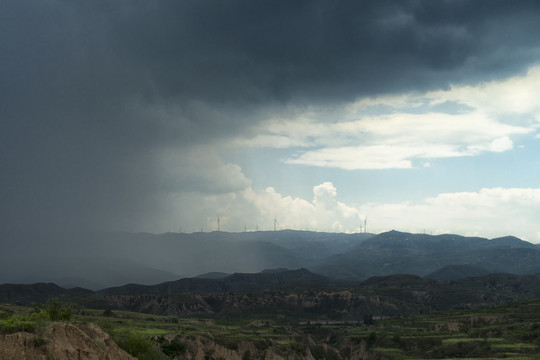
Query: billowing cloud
{"points": [[252, 209], [489, 212], [323, 213], [411, 127], [515, 95], [501, 144]]}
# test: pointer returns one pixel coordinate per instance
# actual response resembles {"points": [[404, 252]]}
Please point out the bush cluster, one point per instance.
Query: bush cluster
{"points": [[16, 324], [174, 348], [55, 309], [141, 346]]}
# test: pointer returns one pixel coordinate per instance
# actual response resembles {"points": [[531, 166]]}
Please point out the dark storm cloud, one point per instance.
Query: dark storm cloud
{"points": [[90, 92], [258, 50]]}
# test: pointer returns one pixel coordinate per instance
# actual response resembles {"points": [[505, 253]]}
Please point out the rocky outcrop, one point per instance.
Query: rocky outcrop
{"points": [[204, 348], [61, 341], [208, 347]]}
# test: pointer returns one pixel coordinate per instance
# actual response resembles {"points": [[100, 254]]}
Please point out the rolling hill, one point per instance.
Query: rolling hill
{"points": [[420, 254], [454, 272], [296, 294], [26, 294], [265, 280]]}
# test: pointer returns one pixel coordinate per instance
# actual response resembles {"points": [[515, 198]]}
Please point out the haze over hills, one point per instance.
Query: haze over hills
{"points": [[296, 294], [396, 252], [452, 272], [268, 279], [302, 294], [100, 260]]}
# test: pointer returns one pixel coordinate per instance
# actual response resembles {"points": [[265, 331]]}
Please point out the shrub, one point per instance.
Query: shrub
{"points": [[54, 309], [108, 313], [174, 348], [105, 325], [317, 351], [371, 340], [15, 324], [368, 319], [58, 310], [4, 315], [39, 317], [40, 341], [139, 346], [262, 344], [298, 348]]}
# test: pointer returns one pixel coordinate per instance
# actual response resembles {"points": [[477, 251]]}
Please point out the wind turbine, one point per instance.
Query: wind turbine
{"points": [[275, 224]]}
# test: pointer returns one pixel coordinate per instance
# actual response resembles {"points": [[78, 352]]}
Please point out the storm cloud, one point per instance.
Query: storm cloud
{"points": [[104, 106]]}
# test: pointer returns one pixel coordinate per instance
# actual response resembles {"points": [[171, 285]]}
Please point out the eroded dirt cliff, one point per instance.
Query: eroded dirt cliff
{"points": [[61, 341]]}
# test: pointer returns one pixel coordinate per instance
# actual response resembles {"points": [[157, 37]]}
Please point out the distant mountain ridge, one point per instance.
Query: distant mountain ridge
{"points": [[100, 260], [397, 252], [297, 294], [264, 280], [26, 294], [105, 259], [454, 272]]}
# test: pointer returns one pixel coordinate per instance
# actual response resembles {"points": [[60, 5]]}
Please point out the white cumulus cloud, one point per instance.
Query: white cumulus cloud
{"points": [[489, 212], [323, 213], [460, 121]]}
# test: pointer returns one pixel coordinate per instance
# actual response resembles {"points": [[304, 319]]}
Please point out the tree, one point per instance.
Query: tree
{"points": [[368, 319]]}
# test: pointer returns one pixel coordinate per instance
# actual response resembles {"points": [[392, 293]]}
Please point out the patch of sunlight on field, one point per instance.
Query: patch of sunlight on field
{"points": [[515, 346], [462, 339]]}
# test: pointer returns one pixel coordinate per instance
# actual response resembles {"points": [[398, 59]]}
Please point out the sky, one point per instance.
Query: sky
{"points": [[158, 116]]}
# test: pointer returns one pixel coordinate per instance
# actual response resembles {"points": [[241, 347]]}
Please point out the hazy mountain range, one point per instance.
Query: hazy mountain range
{"points": [[99, 260], [296, 294]]}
